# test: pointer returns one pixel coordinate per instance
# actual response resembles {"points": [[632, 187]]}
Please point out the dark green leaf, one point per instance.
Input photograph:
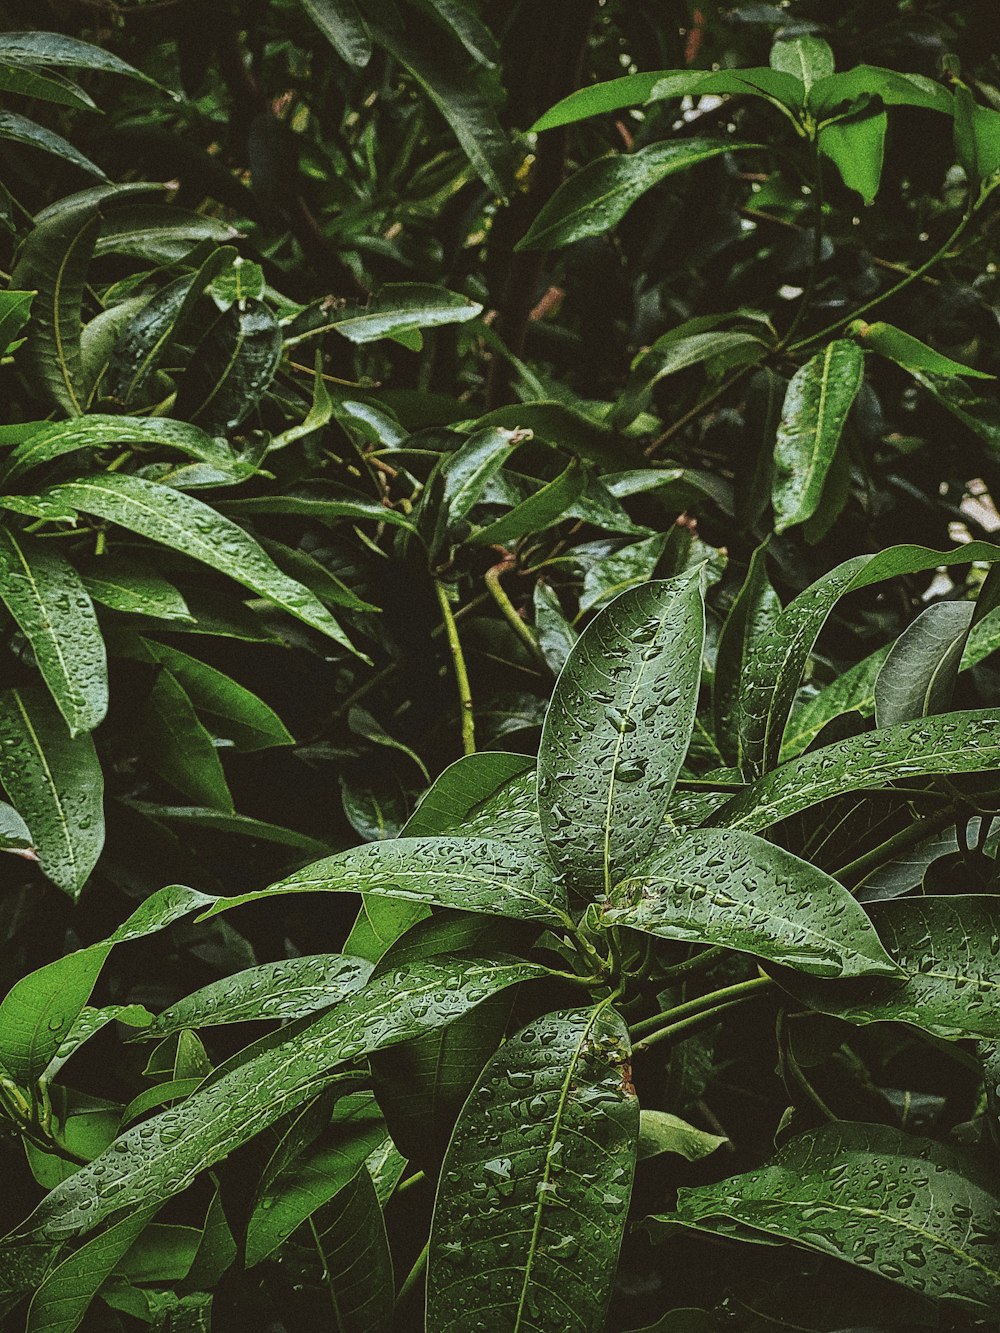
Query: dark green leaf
{"points": [[21, 130], [918, 675], [751, 619], [231, 368]]}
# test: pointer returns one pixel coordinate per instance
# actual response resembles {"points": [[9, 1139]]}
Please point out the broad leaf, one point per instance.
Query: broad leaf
{"points": [[535, 1185], [893, 87], [351, 1239], [472, 874], [617, 730], [660, 1132], [949, 946], [598, 196], [56, 783], [179, 748], [187, 525], [856, 147], [133, 587], [720, 886], [401, 306], [863, 1193], [805, 58], [817, 402], [949, 743], [45, 595], [918, 675]]}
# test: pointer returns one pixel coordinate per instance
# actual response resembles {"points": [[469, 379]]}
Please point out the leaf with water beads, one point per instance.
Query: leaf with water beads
{"points": [[723, 887], [617, 730], [912, 1210], [535, 1185], [471, 874], [950, 947]]}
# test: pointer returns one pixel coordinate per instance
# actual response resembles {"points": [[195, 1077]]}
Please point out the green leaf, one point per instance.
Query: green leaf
{"points": [[399, 306], [38, 1013], [56, 784], [343, 27], [231, 368], [598, 196], [21, 130], [949, 743], [132, 587], [862, 1194], [474, 35], [471, 874], [164, 234], [47, 599], [463, 797], [723, 887], [919, 673], [538, 512], [162, 1156], [225, 821], [617, 730], [357, 1264], [556, 636], [661, 1132], [977, 136], [856, 146], [910, 352], [472, 119], [611, 575], [672, 353], [658, 85], [41, 49], [179, 748], [15, 311], [62, 1301], [15, 836], [949, 946], [774, 674], [236, 713], [817, 402], [805, 58], [750, 621], [43, 87], [551, 1133], [893, 87], [185, 524], [288, 988]]}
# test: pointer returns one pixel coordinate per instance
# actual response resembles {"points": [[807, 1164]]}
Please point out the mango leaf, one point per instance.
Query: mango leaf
{"points": [[44, 87], [133, 587], [672, 353], [977, 135], [860, 1193], [55, 782], [15, 311], [180, 748], [910, 352], [773, 678], [617, 730], [62, 1301], [35, 50], [891, 86], [343, 27], [556, 636], [53, 610], [162, 1156], [806, 58], [548, 1135], [15, 836], [166, 234], [949, 946], [21, 130], [471, 874], [720, 886], [400, 306], [598, 196], [193, 528], [39, 1011], [351, 1239], [661, 1132], [817, 402], [950, 743], [750, 620], [538, 512], [855, 144], [469, 29], [231, 368], [87, 1024], [918, 675], [225, 821], [288, 988]]}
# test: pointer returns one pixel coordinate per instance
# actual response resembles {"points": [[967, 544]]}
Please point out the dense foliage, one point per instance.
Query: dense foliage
{"points": [[513, 486]]}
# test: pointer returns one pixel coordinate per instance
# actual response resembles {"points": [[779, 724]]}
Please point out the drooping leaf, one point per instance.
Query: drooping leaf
{"points": [[40, 50], [551, 1133], [400, 306], [231, 368], [672, 353], [617, 730], [341, 24], [55, 781], [919, 673], [977, 135], [50, 87], [556, 636], [225, 821], [967, 742], [21, 130], [862, 1194], [817, 402], [750, 620], [660, 1132], [15, 311], [179, 748], [598, 196], [472, 874], [133, 587], [856, 147], [50, 604], [187, 525], [720, 886]]}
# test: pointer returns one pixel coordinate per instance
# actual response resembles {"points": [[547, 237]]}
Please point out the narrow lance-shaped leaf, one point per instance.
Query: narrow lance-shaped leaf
{"points": [[55, 782], [45, 595], [949, 945], [188, 525], [21, 130], [817, 402], [598, 196], [343, 27], [471, 874], [133, 588], [966, 742], [724, 887], [43, 49], [918, 675], [401, 306], [231, 368], [751, 619], [617, 730], [164, 1155], [535, 1186], [909, 352], [862, 1193], [537, 512]]}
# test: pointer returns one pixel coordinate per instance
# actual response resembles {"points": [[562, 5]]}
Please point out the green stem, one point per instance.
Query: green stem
{"points": [[414, 1276], [686, 1025], [856, 870], [707, 1002], [461, 674], [417, 1178], [696, 964], [509, 610]]}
